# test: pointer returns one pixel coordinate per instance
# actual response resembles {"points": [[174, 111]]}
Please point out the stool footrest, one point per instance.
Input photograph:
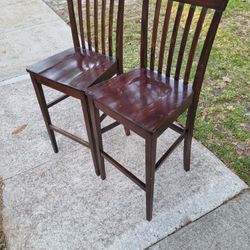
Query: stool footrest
{"points": [[169, 151], [54, 102], [109, 127], [131, 176], [69, 135]]}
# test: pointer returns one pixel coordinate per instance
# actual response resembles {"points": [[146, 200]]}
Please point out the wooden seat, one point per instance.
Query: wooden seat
{"points": [[150, 99], [75, 68], [144, 98]]}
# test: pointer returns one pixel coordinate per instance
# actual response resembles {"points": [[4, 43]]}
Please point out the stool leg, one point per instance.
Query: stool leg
{"points": [[187, 149], [188, 137], [127, 131], [150, 154], [96, 125], [43, 106], [91, 138]]}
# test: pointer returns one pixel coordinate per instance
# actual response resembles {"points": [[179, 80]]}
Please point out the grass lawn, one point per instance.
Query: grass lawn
{"points": [[223, 118]]}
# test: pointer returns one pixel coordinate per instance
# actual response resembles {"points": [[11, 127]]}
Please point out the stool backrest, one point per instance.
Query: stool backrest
{"points": [[95, 23], [190, 20]]}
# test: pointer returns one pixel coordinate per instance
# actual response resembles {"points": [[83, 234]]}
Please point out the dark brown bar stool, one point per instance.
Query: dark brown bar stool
{"points": [[74, 70], [147, 101]]}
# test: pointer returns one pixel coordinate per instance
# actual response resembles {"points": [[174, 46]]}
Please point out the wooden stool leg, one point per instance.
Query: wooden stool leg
{"points": [[96, 125], [43, 106], [91, 138], [188, 138], [127, 131], [150, 154], [187, 150]]}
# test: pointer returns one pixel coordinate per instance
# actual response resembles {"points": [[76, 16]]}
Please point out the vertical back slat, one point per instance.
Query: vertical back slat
{"points": [[164, 35], [184, 41], [202, 65], [154, 33], [73, 25], [194, 44], [111, 16], [119, 36], [88, 24], [96, 25], [79, 3], [103, 25], [173, 37], [144, 33]]}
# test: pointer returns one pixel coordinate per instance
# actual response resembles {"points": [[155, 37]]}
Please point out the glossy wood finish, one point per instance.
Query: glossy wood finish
{"points": [[144, 98], [149, 102], [74, 70]]}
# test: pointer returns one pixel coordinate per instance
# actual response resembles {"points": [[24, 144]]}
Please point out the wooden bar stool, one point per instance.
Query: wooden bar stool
{"points": [[147, 101], [74, 70]]}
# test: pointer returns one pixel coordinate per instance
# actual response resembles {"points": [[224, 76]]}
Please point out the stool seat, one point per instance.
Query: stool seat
{"points": [[75, 68], [145, 98]]}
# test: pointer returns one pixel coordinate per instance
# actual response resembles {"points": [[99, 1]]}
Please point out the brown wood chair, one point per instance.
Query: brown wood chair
{"points": [[74, 70], [147, 101]]}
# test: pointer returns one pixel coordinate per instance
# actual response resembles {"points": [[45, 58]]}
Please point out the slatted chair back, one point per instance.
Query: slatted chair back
{"points": [[95, 23], [190, 20]]}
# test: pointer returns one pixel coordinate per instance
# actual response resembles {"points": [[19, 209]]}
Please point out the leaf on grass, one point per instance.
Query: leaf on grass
{"points": [[204, 114], [19, 129], [245, 126], [230, 108], [43, 174], [226, 79]]}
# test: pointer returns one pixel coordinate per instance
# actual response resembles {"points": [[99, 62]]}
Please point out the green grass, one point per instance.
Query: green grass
{"points": [[223, 117]]}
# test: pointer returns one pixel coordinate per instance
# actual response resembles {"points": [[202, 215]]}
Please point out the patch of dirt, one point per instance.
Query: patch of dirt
{"points": [[2, 237], [240, 26]]}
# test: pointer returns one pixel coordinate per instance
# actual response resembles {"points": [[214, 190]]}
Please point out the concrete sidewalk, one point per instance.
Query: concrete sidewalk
{"points": [[30, 31], [55, 201], [224, 228]]}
